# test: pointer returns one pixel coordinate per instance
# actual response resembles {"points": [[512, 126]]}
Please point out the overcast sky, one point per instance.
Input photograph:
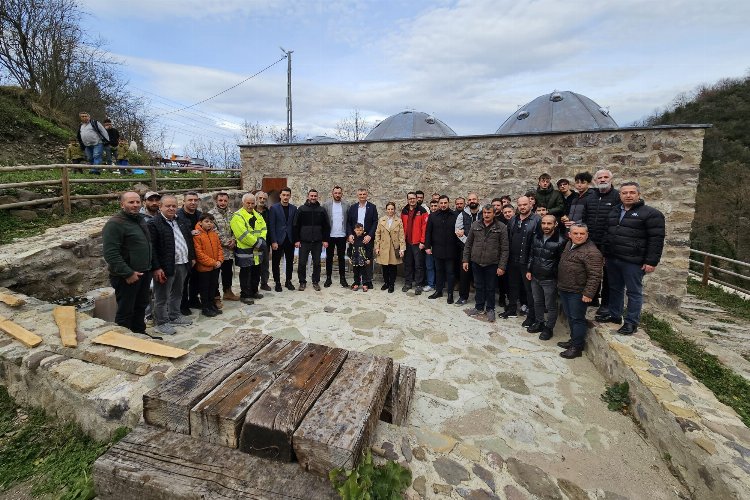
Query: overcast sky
{"points": [[470, 63]]}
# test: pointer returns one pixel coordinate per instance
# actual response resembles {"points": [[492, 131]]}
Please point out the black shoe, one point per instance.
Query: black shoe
{"points": [[289, 285], [384, 287], [265, 288], [509, 313], [278, 287], [546, 333], [247, 300], [327, 282], [216, 309], [256, 296], [344, 283], [528, 321], [460, 301], [302, 287], [406, 288], [435, 295], [565, 344], [608, 319], [602, 311], [185, 311], [418, 290], [536, 327], [208, 312], [450, 298], [391, 289], [572, 352], [316, 287], [627, 329], [195, 303]]}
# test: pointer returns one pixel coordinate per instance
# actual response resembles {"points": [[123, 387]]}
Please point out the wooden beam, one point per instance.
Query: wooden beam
{"points": [[399, 397], [169, 404], [271, 421], [65, 317], [124, 341], [11, 299], [338, 427], [219, 416], [158, 464], [19, 333]]}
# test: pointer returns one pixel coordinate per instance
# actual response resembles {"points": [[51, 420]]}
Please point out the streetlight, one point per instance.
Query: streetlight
{"points": [[288, 93]]}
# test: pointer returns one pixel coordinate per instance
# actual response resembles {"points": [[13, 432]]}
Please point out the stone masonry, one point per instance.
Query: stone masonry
{"points": [[665, 160]]}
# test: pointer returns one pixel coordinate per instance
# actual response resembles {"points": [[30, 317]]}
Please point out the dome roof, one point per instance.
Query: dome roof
{"points": [[556, 112], [410, 125]]}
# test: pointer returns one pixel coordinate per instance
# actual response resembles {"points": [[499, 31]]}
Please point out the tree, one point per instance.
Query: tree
{"points": [[278, 135], [354, 127], [253, 133]]}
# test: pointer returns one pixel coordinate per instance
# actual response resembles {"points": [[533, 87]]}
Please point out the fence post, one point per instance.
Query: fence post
{"points": [[706, 269], [66, 189], [205, 182], [152, 170]]}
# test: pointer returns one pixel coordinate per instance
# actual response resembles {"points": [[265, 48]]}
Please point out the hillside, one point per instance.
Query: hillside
{"points": [[722, 218], [25, 137]]}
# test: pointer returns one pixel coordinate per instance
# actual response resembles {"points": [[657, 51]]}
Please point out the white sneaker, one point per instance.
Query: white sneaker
{"points": [[181, 321], [165, 329], [428, 288]]}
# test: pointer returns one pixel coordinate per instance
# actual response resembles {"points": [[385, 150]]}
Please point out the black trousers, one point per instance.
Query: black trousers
{"points": [[249, 280], [190, 289], [264, 265], [132, 300], [389, 274], [444, 276], [517, 282], [339, 244], [306, 248], [285, 250], [464, 279], [413, 265], [208, 281]]}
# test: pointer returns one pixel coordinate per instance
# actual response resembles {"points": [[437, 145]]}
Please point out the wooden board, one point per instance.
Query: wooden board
{"points": [[19, 333], [11, 300], [169, 404], [65, 317], [271, 421], [339, 425], [124, 341], [152, 463], [399, 397], [219, 416]]}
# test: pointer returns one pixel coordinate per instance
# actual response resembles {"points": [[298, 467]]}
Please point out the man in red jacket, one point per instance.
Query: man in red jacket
{"points": [[414, 217]]}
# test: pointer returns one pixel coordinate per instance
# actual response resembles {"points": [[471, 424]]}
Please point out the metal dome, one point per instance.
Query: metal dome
{"points": [[556, 112], [410, 125]]}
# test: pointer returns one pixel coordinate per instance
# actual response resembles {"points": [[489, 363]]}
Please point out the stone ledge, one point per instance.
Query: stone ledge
{"points": [[708, 444]]}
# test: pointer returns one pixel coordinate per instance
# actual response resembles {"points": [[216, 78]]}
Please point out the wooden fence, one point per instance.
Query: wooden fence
{"points": [[66, 182], [710, 272]]}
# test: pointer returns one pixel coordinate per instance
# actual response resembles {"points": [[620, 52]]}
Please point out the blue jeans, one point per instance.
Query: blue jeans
{"points": [[625, 278], [485, 279], [94, 155], [575, 310], [429, 264]]}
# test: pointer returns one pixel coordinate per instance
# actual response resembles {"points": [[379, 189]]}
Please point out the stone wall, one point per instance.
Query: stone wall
{"points": [[665, 160], [66, 260]]}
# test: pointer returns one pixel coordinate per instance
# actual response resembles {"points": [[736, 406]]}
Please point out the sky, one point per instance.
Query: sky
{"points": [[470, 63]]}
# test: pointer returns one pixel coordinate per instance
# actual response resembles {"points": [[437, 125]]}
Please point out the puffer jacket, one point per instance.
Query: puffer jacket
{"points": [[552, 199], [596, 210], [486, 245], [580, 269], [414, 229], [311, 223], [638, 238], [545, 256], [207, 249], [531, 230], [577, 210]]}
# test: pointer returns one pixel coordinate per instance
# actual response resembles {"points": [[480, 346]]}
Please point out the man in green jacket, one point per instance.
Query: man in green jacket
{"points": [[547, 196], [127, 251], [249, 229]]}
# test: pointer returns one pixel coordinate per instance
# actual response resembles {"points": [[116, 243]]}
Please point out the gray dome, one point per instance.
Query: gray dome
{"points": [[556, 112], [410, 125]]}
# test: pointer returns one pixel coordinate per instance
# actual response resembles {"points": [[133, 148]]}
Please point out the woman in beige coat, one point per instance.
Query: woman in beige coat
{"points": [[390, 245]]}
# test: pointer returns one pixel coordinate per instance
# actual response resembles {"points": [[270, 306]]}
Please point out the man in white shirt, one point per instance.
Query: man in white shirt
{"points": [[336, 208]]}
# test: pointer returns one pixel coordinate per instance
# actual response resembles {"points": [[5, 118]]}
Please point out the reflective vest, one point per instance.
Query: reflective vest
{"points": [[247, 229]]}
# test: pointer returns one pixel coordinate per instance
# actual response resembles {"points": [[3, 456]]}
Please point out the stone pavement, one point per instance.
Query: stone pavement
{"points": [[496, 412]]}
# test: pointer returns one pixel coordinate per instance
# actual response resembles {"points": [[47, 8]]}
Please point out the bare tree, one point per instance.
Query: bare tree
{"points": [[278, 135], [253, 133], [354, 127]]}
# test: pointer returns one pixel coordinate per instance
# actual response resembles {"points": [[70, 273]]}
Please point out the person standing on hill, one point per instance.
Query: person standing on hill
{"points": [[92, 137], [110, 147]]}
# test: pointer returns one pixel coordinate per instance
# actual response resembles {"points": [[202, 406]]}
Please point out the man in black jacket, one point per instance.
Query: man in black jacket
{"points": [[173, 258], [633, 247], [521, 231], [366, 214], [311, 231], [542, 273], [596, 212], [440, 242], [190, 212]]}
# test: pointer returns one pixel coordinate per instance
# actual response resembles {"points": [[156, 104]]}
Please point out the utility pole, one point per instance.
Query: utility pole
{"points": [[288, 93]]}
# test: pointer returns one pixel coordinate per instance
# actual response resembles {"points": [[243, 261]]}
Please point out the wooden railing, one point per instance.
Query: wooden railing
{"points": [[709, 271], [66, 182]]}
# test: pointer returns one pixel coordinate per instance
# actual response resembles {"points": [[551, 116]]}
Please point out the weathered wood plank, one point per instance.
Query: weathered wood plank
{"points": [[271, 421], [218, 417], [339, 425], [19, 333], [151, 463], [124, 341], [11, 299], [169, 404], [398, 399], [65, 317]]}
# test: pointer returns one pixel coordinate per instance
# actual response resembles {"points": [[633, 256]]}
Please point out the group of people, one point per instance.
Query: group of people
{"points": [[97, 144], [588, 246]]}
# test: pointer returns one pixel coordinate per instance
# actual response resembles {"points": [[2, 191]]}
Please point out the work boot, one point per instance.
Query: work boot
{"points": [[546, 333], [536, 327], [565, 344], [572, 352], [218, 303], [229, 295]]}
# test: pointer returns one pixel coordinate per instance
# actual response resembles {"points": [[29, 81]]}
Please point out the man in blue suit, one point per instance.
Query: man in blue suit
{"points": [[366, 214], [280, 220]]}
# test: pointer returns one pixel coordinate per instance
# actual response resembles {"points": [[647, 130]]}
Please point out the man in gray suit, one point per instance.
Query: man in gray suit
{"points": [[336, 208]]}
